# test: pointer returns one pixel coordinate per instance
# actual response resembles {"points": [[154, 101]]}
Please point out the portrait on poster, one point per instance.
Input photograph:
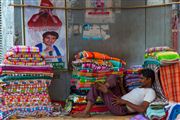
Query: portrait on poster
{"points": [[45, 28]]}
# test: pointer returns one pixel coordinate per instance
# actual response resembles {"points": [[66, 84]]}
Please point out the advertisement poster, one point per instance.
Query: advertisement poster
{"points": [[95, 32], [46, 28], [99, 14]]}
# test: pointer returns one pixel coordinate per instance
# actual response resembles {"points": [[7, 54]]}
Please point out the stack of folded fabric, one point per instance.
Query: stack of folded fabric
{"points": [[156, 110], [25, 78], [132, 77], [92, 67], [155, 58], [161, 56]]}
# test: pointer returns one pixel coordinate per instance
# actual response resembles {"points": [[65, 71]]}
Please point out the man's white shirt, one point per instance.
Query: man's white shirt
{"points": [[138, 95]]}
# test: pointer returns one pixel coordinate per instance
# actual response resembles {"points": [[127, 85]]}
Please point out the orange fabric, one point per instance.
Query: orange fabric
{"points": [[97, 55], [101, 74], [170, 80]]}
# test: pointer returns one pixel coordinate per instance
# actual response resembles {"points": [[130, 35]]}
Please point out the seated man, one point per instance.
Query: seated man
{"points": [[136, 100]]}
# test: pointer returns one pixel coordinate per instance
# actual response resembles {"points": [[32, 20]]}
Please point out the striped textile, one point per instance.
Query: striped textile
{"points": [[24, 49], [100, 74], [97, 55], [158, 49], [170, 79], [16, 73], [6, 61], [23, 55], [27, 68]]}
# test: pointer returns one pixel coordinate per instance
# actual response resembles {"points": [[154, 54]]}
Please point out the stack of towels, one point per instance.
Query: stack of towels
{"points": [[24, 82], [88, 68], [161, 56], [132, 77], [156, 58]]}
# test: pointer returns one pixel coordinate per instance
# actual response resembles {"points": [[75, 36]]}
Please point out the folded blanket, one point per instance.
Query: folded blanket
{"points": [[151, 61], [132, 80], [116, 63], [38, 88], [27, 73], [28, 68], [97, 55], [160, 113], [24, 55], [100, 74], [88, 78], [27, 82], [158, 49], [28, 111], [24, 49], [9, 78], [78, 62], [6, 61], [132, 76], [168, 55]]}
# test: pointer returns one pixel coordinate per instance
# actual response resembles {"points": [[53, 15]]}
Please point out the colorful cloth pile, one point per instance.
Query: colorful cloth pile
{"points": [[155, 58], [161, 55], [156, 111], [24, 82], [170, 79], [88, 68], [16, 56], [132, 77]]}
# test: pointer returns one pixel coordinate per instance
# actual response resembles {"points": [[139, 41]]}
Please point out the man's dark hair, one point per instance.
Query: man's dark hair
{"points": [[51, 33], [148, 73]]}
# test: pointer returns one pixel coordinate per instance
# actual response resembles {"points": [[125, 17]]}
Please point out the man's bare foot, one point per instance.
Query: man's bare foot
{"points": [[101, 87], [81, 115]]}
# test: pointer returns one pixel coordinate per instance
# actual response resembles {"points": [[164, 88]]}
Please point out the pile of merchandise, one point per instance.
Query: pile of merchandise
{"points": [[161, 56], [156, 111], [89, 68], [155, 58], [24, 82], [132, 77], [165, 63]]}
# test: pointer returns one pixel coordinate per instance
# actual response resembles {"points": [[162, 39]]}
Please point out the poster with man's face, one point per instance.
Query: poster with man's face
{"points": [[45, 28]]}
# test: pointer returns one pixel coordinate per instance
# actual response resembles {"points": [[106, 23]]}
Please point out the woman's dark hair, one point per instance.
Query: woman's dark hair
{"points": [[53, 33], [148, 73]]}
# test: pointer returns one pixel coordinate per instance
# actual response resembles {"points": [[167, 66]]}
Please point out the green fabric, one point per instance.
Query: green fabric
{"points": [[167, 56], [84, 81], [24, 77], [86, 78]]}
